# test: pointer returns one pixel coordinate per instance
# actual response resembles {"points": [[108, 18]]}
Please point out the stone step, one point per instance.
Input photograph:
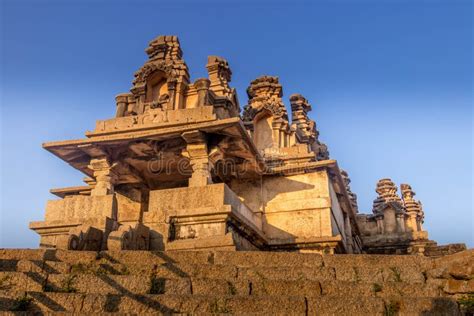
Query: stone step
{"points": [[158, 257], [212, 271], [237, 305], [125, 257], [161, 304], [35, 266], [238, 282], [342, 305], [383, 289], [170, 271], [145, 284], [239, 259], [343, 272]]}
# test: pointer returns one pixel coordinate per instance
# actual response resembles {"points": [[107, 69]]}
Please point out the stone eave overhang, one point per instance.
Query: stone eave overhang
{"points": [[63, 192], [301, 243], [78, 152]]}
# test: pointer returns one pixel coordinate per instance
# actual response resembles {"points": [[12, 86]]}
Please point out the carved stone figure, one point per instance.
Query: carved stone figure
{"points": [[127, 237], [83, 237]]}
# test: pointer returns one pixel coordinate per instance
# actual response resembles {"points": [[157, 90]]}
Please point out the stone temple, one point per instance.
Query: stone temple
{"points": [[272, 220], [182, 167]]}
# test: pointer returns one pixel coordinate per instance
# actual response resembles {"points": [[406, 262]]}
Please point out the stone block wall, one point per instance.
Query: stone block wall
{"points": [[237, 283]]}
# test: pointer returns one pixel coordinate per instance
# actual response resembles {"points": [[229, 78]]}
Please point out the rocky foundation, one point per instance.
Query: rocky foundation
{"points": [[240, 283]]}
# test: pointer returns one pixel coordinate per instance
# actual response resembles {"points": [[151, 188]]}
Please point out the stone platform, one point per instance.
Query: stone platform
{"points": [[242, 283]]}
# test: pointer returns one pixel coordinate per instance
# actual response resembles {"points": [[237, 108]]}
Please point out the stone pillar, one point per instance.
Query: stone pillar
{"points": [[201, 172], [180, 97], [198, 158], [122, 102], [412, 222], [282, 138], [380, 224], [348, 229], [202, 87], [401, 222], [172, 94], [276, 137], [277, 127], [292, 139], [219, 75], [104, 175], [139, 92]]}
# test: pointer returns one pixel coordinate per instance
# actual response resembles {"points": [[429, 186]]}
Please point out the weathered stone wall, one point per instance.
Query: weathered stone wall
{"points": [[239, 283], [337, 217], [157, 116], [63, 215], [295, 206], [201, 214]]}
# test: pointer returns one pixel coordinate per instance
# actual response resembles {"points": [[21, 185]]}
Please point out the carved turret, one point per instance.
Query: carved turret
{"points": [[408, 197], [352, 196], [265, 94], [387, 196], [413, 209], [306, 130], [165, 48], [219, 74], [396, 223], [388, 208], [161, 82], [266, 115]]}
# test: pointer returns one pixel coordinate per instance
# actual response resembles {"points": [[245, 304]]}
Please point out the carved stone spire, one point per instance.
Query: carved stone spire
{"points": [[352, 196], [265, 94], [165, 48], [387, 196], [306, 130], [411, 205], [219, 74], [162, 80]]}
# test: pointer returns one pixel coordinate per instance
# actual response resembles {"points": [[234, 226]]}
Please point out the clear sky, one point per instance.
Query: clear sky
{"points": [[390, 83]]}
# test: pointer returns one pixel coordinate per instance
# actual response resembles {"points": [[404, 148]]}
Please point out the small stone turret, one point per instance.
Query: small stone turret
{"points": [[266, 116], [387, 196], [219, 74], [162, 81], [388, 208], [165, 48], [413, 209], [306, 130], [396, 223], [265, 93], [408, 195], [352, 196]]}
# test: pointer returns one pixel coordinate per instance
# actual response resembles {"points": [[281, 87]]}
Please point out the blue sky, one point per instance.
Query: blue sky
{"points": [[390, 83]]}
